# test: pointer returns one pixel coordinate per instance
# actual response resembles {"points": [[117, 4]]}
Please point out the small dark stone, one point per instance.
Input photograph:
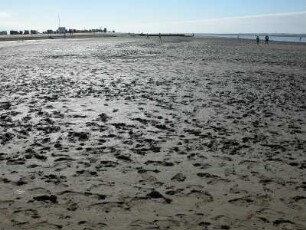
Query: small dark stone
{"points": [[40, 157], [20, 182], [163, 127], [298, 198], [101, 197], [155, 195], [82, 222], [28, 156], [167, 164], [47, 198], [123, 157], [282, 221], [171, 192], [5, 180], [57, 145], [103, 117], [93, 173], [205, 224]]}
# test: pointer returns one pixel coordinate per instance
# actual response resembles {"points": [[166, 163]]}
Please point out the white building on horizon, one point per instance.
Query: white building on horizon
{"points": [[61, 30]]}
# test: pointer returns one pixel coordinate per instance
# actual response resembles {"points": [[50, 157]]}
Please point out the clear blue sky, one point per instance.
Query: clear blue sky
{"points": [[215, 16]]}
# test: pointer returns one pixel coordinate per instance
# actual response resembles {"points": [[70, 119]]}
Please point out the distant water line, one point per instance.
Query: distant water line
{"points": [[279, 38]]}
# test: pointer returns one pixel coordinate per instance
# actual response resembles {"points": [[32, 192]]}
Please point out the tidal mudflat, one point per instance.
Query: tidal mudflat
{"points": [[131, 133]]}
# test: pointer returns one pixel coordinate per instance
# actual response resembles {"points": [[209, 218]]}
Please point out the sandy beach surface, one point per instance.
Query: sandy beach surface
{"points": [[131, 133]]}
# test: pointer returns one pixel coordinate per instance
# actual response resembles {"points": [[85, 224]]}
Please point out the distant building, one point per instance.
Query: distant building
{"points": [[61, 30], [34, 32], [26, 32], [49, 32], [3, 32], [14, 32]]}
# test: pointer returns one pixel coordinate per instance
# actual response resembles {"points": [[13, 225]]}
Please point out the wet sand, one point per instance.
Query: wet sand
{"points": [[130, 133]]}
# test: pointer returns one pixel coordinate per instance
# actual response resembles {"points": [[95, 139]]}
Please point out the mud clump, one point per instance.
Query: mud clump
{"points": [[80, 136]]}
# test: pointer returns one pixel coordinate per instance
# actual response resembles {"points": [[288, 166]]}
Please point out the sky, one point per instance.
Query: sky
{"points": [[154, 16]]}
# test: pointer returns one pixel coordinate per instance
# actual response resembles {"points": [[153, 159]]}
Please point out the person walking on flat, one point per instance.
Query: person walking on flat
{"points": [[267, 40], [159, 35], [257, 40]]}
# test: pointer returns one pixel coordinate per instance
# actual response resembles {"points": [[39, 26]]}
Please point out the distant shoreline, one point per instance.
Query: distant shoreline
{"points": [[242, 37], [57, 36], [84, 35]]}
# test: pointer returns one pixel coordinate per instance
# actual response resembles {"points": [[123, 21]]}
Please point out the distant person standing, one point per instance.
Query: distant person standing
{"points": [[159, 35], [257, 40], [267, 40]]}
